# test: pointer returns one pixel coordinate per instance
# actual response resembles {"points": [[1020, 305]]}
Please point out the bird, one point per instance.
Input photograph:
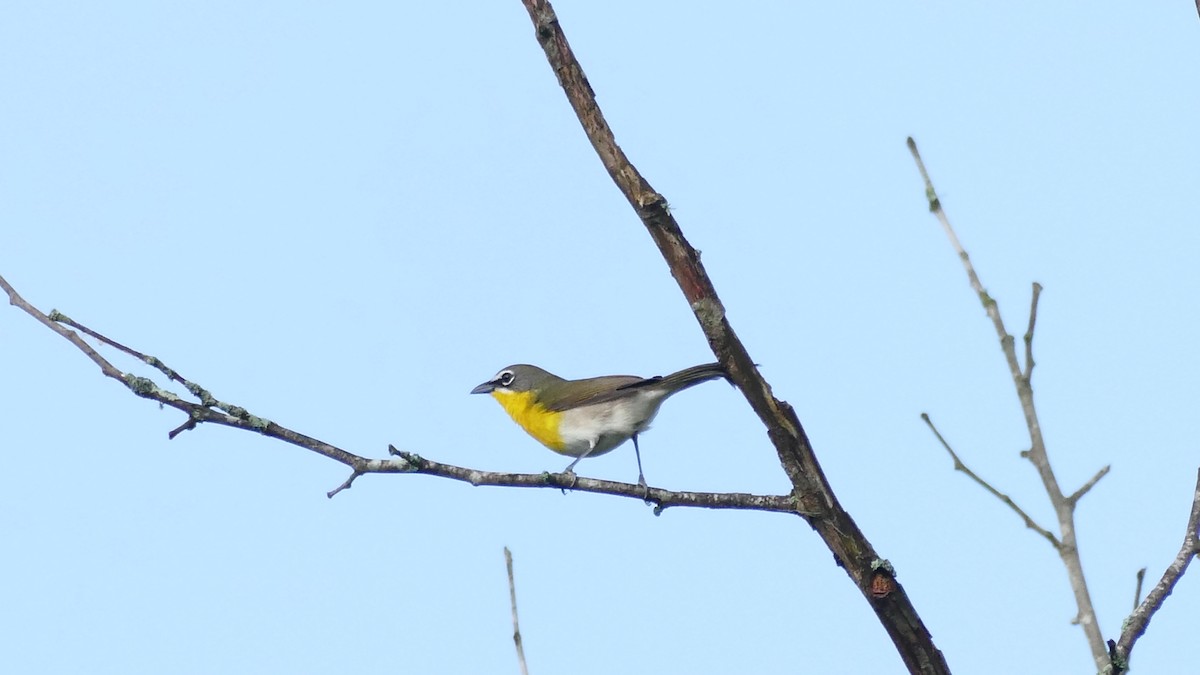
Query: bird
{"points": [[588, 417]]}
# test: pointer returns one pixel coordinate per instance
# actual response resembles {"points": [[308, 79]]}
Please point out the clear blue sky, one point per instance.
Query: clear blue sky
{"points": [[343, 219]]}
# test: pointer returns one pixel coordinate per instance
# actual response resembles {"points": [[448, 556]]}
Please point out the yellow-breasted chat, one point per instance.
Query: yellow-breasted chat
{"points": [[592, 416]]}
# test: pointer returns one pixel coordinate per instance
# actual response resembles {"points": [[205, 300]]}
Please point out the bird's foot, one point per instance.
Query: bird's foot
{"points": [[645, 488], [569, 475]]}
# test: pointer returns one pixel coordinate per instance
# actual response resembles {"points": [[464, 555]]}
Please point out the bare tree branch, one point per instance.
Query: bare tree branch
{"points": [[1064, 508], [512, 596], [1135, 625], [230, 415], [837, 529], [661, 499], [959, 466]]}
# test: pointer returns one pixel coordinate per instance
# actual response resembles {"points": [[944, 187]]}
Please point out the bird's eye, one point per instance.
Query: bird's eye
{"points": [[505, 379]]}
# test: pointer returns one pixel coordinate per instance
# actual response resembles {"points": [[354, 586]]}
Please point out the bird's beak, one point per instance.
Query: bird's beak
{"points": [[485, 388]]}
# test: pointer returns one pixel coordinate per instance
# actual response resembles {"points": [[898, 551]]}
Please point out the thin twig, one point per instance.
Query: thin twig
{"points": [[240, 418], [346, 484], [1135, 625], [1083, 489], [186, 426], [512, 596], [1064, 509], [203, 395], [1137, 592], [58, 316], [1033, 307], [960, 466]]}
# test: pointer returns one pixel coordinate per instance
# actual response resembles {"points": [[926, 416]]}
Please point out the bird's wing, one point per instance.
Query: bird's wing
{"points": [[569, 394]]}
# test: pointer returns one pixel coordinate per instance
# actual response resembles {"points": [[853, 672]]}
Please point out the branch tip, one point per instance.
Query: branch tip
{"points": [[346, 484], [1083, 490], [186, 426], [1137, 593], [1033, 307]]}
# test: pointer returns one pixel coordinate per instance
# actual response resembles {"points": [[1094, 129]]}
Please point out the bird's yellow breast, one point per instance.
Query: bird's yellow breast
{"points": [[533, 417]]}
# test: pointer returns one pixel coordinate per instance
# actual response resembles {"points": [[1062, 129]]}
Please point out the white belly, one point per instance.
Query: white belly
{"points": [[604, 426]]}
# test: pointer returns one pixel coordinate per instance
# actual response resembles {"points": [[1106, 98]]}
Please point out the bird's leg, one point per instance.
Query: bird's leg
{"points": [[571, 467], [641, 476]]}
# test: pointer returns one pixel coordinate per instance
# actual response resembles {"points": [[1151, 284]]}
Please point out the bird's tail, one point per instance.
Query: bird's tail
{"points": [[683, 379]]}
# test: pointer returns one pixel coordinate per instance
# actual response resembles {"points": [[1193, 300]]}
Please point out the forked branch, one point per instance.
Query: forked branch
{"points": [[1135, 626], [1064, 506], [1111, 656]]}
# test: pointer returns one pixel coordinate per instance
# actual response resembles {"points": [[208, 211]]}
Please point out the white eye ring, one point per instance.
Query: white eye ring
{"points": [[505, 379]]}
